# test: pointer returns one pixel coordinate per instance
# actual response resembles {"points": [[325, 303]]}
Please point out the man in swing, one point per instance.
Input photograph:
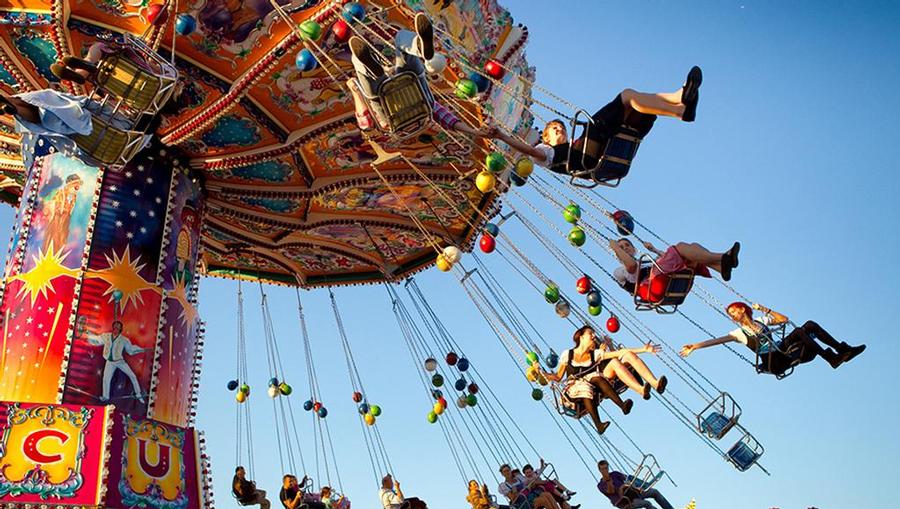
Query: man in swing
{"points": [[392, 497], [245, 490], [414, 53], [635, 110]]}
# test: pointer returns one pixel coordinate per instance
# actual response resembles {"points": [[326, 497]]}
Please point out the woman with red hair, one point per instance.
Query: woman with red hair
{"points": [[754, 333]]}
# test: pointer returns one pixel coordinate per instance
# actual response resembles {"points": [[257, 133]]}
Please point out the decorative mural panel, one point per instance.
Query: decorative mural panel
{"points": [[392, 242], [172, 399]]}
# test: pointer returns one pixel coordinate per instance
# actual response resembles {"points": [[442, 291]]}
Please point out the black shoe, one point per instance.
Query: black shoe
{"points": [[576, 506], [426, 35], [690, 96], [730, 261], [363, 52], [735, 249], [7, 107], [647, 389], [603, 426], [661, 386], [835, 361], [626, 408], [851, 352], [79, 63], [64, 73]]}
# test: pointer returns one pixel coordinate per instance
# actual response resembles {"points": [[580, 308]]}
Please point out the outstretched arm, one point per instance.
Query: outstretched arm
{"points": [[777, 318], [687, 349], [648, 348], [631, 265], [517, 144]]}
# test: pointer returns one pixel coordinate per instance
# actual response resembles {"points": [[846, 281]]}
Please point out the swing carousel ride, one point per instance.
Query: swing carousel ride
{"points": [[222, 139]]}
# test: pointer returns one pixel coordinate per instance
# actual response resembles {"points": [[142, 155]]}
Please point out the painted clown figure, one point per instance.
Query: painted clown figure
{"points": [[115, 347]]}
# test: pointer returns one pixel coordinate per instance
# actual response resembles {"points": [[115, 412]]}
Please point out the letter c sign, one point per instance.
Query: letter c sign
{"points": [[33, 440]]}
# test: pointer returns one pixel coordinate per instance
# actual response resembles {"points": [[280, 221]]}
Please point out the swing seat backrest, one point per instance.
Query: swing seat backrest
{"points": [[406, 103], [716, 425], [135, 77], [600, 153], [776, 354], [742, 456], [662, 293], [108, 144]]}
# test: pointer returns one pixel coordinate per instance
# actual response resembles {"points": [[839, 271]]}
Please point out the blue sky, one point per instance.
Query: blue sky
{"points": [[791, 153]]}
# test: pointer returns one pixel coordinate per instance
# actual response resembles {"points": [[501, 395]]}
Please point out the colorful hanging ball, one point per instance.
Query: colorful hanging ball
{"points": [[323, 413], [461, 402], [524, 167], [583, 285], [577, 236], [341, 30], [462, 364], [473, 388], [311, 30], [363, 408], [240, 397], [495, 162], [594, 298], [453, 254], [532, 358], [157, 15], [317, 406], [485, 181], [285, 389], [305, 61], [471, 400], [493, 69], [563, 309], [353, 11], [438, 408], [443, 263], [245, 389], [465, 89], [232, 385], [517, 180], [369, 419], [273, 391], [437, 380], [442, 401], [487, 243], [492, 229], [308, 405], [552, 359], [624, 222], [432, 417], [572, 213], [430, 364], [437, 394], [537, 394], [551, 294], [273, 382], [531, 373], [612, 324], [460, 384], [357, 397], [117, 295], [185, 24], [452, 358], [375, 410], [481, 83], [595, 310]]}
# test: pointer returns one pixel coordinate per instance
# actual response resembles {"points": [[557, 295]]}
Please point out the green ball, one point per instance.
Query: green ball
{"points": [[465, 89], [245, 389], [572, 213], [311, 30], [532, 358], [375, 410], [537, 394], [595, 310], [552, 294], [577, 236], [437, 380], [471, 400], [285, 389], [432, 417], [495, 162]]}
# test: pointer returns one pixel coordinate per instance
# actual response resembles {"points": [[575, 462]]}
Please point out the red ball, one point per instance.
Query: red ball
{"points": [[452, 358], [493, 69], [473, 388], [157, 14], [317, 406], [341, 30], [442, 401], [655, 290], [583, 285], [612, 324], [487, 243], [357, 397]]}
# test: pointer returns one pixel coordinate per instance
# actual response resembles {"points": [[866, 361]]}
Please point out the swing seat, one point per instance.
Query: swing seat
{"points": [[745, 452], [406, 103], [573, 408], [604, 164], [135, 77], [662, 293], [775, 355], [645, 475], [719, 416], [109, 144]]}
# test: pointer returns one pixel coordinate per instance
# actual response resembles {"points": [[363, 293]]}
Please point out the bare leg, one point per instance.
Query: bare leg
{"points": [[672, 97], [652, 104], [546, 501], [631, 359], [696, 253], [616, 369], [24, 110]]}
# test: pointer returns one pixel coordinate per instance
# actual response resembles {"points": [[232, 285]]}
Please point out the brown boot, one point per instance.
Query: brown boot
{"points": [[64, 73], [363, 52]]}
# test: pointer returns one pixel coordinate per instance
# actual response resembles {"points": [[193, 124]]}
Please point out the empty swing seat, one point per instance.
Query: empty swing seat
{"points": [[716, 425], [406, 103], [742, 456], [109, 144]]}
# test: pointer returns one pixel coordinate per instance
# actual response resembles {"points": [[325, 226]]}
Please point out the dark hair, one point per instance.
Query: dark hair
{"points": [[505, 465], [286, 477], [527, 467], [602, 463], [238, 468], [626, 239], [577, 336]]}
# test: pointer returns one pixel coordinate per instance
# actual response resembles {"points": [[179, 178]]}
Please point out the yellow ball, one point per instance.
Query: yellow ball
{"points": [[524, 167], [443, 263], [369, 418], [531, 374], [485, 181], [240, 397], [438, 408]]}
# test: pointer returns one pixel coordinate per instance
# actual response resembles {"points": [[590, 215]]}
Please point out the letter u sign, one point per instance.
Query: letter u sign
{"points": [[31, 446], [163, 461]]}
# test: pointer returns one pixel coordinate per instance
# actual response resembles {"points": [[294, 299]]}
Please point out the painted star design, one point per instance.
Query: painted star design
{"points": [[47, 267], [123, 274]]}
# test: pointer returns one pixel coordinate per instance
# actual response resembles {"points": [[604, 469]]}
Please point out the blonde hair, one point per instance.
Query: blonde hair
{"points": [[546, 130]]}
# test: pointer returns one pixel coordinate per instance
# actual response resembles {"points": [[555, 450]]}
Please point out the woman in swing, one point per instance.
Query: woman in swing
{"points": [[752, 333], [581, 367], [635, 110], [618, 368]]}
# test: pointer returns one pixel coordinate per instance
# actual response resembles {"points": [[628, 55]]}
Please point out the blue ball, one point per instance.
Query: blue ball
{"points": [[323, 412], [185, 24], [594, 299], [353, 11], [462, 364], [232, 385], [480, 81], [437, 394], [307, 405], [460, 384], [363, 408], [306, 61], [273, 382], [624, 222], [492, 229], [552, 359]]}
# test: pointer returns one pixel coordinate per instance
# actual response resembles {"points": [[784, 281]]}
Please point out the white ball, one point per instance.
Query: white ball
{"points": [[274, 392], [437, 64], [453, 254]]}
